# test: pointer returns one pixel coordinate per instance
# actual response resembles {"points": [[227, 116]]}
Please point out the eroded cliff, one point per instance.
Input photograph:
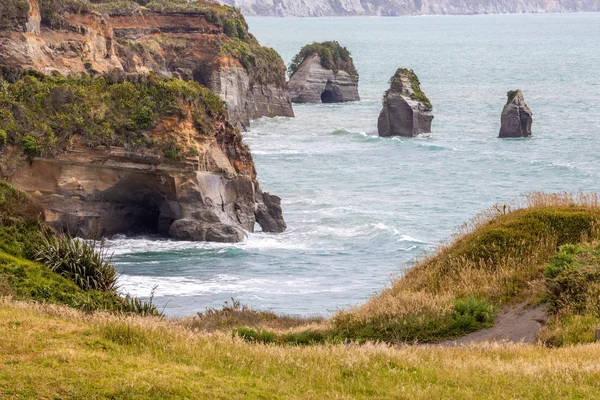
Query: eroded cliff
{"points": [[321, 8], [123, 152], [200, 41]]}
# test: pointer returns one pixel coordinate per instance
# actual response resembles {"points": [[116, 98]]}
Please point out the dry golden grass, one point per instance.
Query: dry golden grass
{"points": [[50, 352], [233, 314]]}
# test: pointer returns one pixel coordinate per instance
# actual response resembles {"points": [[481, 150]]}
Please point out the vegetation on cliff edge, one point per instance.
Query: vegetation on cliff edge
{"points": [[42, 115], [415, 84], [13, 13], [333, 56]]}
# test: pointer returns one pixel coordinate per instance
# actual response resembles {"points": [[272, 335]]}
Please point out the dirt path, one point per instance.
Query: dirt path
{"points": [[514, 324]]}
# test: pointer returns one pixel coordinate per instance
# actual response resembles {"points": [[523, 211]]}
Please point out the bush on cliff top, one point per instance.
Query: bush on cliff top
{"points": [[333, 56], [43, 114]]}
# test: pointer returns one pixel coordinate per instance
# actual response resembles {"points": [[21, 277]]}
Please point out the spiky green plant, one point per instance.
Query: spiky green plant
{"points": [[87, 263]]}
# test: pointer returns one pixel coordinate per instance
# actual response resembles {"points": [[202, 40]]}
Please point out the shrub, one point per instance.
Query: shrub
{"points": [[85, 263], [472, 314], [21, 229], [573, 280], [333, 56], [255, 336], [3, 138], [30, 146]]}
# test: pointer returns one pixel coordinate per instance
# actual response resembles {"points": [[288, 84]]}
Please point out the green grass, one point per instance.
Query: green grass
{"points": [[333, 56]]}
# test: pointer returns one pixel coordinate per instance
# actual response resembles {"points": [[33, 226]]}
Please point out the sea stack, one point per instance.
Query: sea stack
{"points": [[323, 73], [516, 117], [406, 110]]}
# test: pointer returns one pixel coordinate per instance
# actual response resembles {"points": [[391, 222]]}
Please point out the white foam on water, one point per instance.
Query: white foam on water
{"points": [[142, 286]]}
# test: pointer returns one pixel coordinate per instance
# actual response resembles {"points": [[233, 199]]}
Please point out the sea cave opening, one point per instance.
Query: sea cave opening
{"points": [[328, 96], [137, 210]]}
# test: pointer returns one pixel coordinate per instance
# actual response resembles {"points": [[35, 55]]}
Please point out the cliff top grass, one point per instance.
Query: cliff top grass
{"points": [[41, 115], [418, 94], [333, 56]]}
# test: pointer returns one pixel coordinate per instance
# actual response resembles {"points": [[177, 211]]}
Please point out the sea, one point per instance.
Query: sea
{"points": [[360, 209]]}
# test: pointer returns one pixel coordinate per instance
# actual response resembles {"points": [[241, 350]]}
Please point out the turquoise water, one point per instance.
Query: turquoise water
{"points": [[359, 207]]}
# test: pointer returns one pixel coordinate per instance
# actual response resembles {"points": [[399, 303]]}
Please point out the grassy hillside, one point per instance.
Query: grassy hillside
{"points": [[498, 259], [48, 352]]}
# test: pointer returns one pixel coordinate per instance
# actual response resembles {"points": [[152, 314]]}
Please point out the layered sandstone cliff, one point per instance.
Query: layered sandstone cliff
{"points": [[96, 124], [208, 44], [406, 110], [313, 83], [321, 8], [517, 118]]}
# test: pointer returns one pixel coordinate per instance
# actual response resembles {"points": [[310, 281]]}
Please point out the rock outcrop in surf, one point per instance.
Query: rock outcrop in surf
{"points": [[406, 110], [323, 73], [516, 118]]}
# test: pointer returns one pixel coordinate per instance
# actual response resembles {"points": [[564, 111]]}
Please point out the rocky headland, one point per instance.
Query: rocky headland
{"points": [[406, 109], [516, 118], [323, 73], [103, 121], [193, 41], [324, 8]]}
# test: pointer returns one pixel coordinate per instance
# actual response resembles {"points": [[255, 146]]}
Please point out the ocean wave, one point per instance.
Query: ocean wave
{"points": [[185, 286], [277, 152], [122, 245]]}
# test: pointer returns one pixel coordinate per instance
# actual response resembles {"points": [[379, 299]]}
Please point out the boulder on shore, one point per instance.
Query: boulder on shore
{"points": [[323, 73], [516, 117], [406, 110]]}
